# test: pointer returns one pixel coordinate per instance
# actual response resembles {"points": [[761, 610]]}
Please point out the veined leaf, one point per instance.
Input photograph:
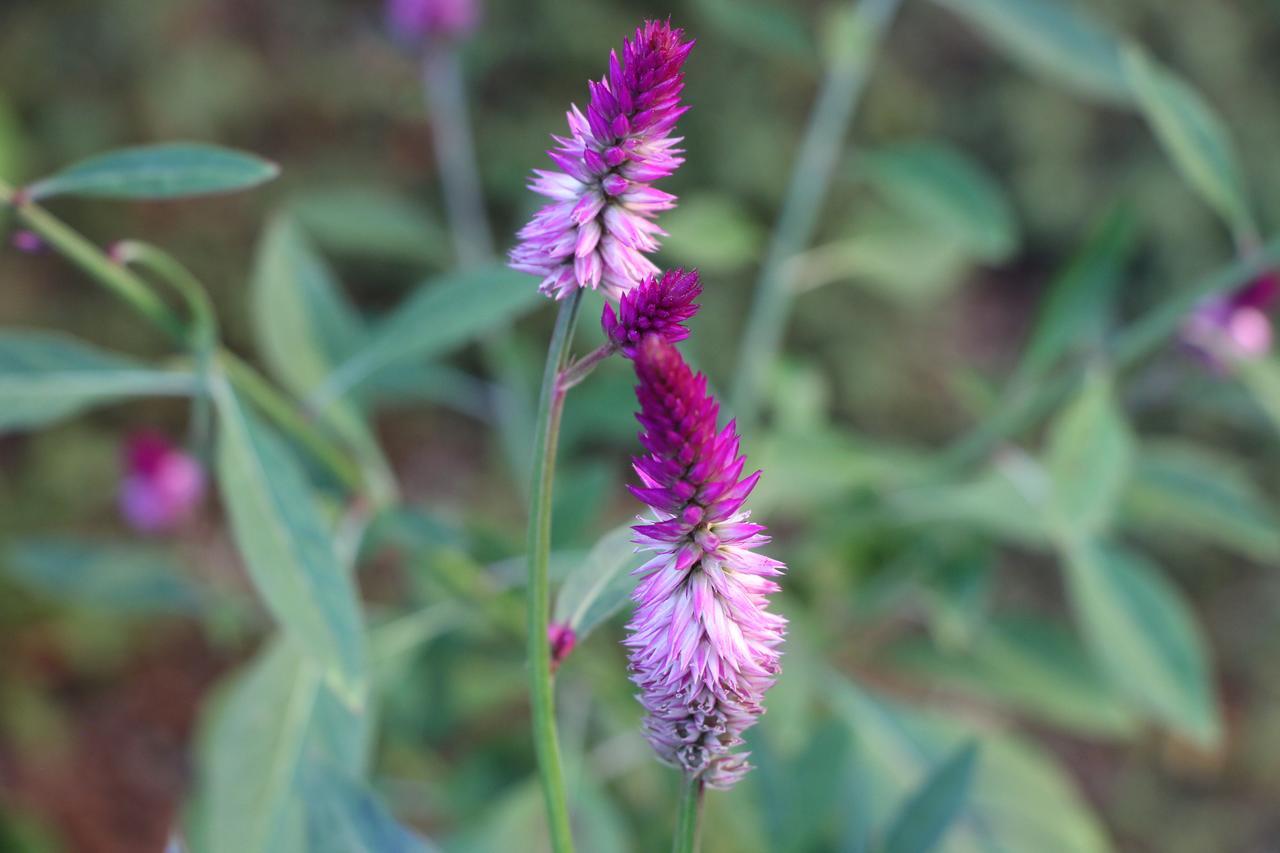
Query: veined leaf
{"points": [[1194, 138], [285, 544], [173, 170], [46, 377], [1144, 636], [1090, 457]]}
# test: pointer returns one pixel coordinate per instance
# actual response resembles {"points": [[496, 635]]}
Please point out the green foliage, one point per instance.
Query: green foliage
{"points": [[158, 172], [927, 815]]}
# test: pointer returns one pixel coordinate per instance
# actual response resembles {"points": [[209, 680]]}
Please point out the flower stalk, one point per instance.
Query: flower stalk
{"points": [[689, 817]]}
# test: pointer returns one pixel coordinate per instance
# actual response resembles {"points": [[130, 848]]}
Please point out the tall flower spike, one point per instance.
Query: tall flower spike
{"points": [[703, 646], [600, 224], [658, 306]]}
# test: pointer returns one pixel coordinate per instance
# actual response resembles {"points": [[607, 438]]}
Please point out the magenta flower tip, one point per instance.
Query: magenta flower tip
{"points": [[703, 645], [162, 485], [599, 227], [562, 638], [658, 306]]}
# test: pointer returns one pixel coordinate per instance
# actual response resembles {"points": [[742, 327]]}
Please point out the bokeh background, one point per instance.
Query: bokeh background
{"points": [[905, 336]]}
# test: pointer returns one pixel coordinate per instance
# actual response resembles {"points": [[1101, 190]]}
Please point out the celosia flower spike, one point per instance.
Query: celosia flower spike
{"points": [[600, 224], [658, 306], [703, 646]]}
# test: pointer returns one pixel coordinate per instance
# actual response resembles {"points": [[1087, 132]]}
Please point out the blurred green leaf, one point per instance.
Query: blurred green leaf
{"points": [[344, 816], [946, 192], [286, 545], [1180, 488], [1018, 799], [1074, 308], [13, 153], [1192, 136], [958, 595], [1261, 378], [1090, 457], [713, 233], [797, 793], [1034, 665], [769, 27], [277, 717], [600, 585], [994, 503], [372, 223], [174, 170], [45, 377], [1143, 634], [441, 315], [812, 468], [1054, 38], [925, 818], [104, 575]]}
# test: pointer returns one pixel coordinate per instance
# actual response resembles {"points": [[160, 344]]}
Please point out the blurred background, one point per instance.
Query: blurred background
{"points": [[976, 177]]}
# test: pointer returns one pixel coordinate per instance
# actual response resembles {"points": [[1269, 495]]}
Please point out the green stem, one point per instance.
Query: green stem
{"points": [[689, 817], [542, 687], [810, 178], [1136, 342]]}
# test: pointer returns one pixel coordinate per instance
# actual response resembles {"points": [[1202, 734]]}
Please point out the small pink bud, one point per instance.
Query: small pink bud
{"points": [[28, 242], [1250, 331], [562, 639], [162, 485]]}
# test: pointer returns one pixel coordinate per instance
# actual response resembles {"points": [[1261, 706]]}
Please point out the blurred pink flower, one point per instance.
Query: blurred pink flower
{"points": [[417, 20], [1235, 326], [28, 242], [162, 484]]}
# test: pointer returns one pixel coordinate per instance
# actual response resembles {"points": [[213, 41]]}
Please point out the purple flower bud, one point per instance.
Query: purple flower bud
{"points": [[562, 639], [162, 485], [658, 306], [621, 144], [1233, 327], [703, 646], [417, 20], [28, 242]]}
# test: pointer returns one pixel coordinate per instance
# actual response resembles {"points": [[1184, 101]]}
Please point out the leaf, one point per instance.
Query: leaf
{"points": [[947, 193], [1090, 457], [276, 717], [370, 222], [993, 503], [1031, 664], [1193, 137], [286, 546], [1261, 378], [46, 377], [1074, 308], [811, 469], [104, 575], [600, 584], [772, 29], [713, 233], [344, 816], [172, 170], [926, 816], [1143, 634], [1053, 38], [797, 793], [1018, 800], [439, 316], [1183, 489]]}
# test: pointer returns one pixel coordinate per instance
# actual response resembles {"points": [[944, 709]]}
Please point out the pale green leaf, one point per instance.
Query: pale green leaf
{"points": [[926, 816], [1090, 457], [104, 575], [172, 170], [600, 584]]}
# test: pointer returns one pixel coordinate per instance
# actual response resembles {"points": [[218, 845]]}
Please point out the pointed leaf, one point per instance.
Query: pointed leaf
{"points": [[600, 585], [1090, 457], [104, 575], [166, 171], [927, 815]]}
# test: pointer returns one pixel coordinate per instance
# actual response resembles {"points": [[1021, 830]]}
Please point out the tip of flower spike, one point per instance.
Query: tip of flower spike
{"points": [[658, 307]]}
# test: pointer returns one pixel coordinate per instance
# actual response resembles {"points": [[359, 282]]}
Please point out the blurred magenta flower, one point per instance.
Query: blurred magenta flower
{"points": [[162, 484], [600, 224], [657, 306], [562, 638], [1234, 326], [703, 646], [28, 242], [418, 20]]}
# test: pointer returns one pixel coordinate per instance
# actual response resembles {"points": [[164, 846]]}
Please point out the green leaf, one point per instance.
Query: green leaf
{"points": [[1074, 309], [344, 816], [1090, 457], [1184, 489], [772, 29], [798, 792], [276, 718], [1018, 800], [995, 504], [1192, 136], [713, 233], [286, 545], [104, 575], [1032, 665], [373, 223], [600, 585], [947, 193], [46, 377], [1143, 634], [926, 816], [1261, 378], [811, 469], [174, 170], [1053, 38], [441, 315]]}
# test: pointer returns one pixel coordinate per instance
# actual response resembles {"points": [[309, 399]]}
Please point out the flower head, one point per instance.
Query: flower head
{"points": [[600, 223], [162, 485], [1234, 326], [417, 20], [658, 306], [703, 646]]}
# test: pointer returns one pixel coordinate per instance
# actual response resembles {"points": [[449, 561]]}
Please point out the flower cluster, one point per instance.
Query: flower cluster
{"points": [[162, 485], [600, 223], [703, 646], [659, 305]]}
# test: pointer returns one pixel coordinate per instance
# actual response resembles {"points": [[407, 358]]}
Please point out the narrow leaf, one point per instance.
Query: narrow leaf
{"points": [[46, 377], [1090, 457], [173, 170], [104, 575], [599, 586], [344, 816], [934, 807]]}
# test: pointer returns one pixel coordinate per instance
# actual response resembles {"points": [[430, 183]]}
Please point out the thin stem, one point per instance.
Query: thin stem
{"points": [[689, 817], [810, 178], [542, 687], [580, 369]]}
